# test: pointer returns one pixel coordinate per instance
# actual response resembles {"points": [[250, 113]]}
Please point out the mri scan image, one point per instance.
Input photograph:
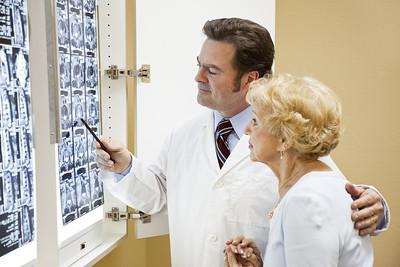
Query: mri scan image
{"points": [[80, 189], [23, 107], [27, 225], [65, 114], [78, 106], [89, 6], [6, 111], [66, 155], [5, 73], [90, 36], [91, 73], [76, 4], [68, 201], [83, 189], [77, 72], [8, 193], [25, 142], [63, 29], [64, 64], [20, 67], [19, 24], [26, 185], [16, 171], [76, 31], [93, 110], [80, 150]]}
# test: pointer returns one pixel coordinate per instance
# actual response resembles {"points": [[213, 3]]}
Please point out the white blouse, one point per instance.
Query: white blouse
{"points": [[311, 226]]}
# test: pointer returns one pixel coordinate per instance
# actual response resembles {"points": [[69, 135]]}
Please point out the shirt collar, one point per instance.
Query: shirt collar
{"points": [[239, 121]]}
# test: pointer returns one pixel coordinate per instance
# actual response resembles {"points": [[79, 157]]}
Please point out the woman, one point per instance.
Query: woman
{"points": [[296, 121]]}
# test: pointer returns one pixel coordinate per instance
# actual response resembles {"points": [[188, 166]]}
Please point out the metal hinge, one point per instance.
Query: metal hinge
{"points": [[115, 215], [143, 73]]}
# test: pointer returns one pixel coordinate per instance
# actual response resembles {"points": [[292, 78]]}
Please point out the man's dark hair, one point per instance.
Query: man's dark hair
{"points": [[254, 47]]}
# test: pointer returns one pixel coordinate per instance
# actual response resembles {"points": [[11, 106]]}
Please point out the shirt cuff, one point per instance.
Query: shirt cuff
{"points": [[385, 221], [119, 176]]}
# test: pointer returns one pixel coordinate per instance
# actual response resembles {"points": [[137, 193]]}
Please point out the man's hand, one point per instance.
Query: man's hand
{"points": [[117, 159], [369, 208]]}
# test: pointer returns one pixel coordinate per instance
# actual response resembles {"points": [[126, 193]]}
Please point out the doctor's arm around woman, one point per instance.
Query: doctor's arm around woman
{"points": [[296, 122]]}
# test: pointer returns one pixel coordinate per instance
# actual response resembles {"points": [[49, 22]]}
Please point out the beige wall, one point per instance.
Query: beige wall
{"points": [[353, 46]]}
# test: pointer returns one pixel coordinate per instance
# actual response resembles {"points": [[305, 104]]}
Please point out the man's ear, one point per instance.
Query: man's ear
{"points": [[249, 77]]}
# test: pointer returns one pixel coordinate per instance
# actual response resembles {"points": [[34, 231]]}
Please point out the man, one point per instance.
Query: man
{"points": [[214, 191]]}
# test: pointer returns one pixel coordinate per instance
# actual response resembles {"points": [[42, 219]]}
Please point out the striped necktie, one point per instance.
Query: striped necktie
{"points": [[224, 129]]}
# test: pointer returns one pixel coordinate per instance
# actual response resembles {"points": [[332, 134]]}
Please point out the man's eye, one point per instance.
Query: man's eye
{"points": [[254, 121], [212, 71]]}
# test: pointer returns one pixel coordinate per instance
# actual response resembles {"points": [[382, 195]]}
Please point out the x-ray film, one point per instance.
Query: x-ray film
{"points": [[80, 187], [17, 218]]}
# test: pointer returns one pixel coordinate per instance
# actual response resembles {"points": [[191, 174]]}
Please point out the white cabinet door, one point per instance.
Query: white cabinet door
{"points": [[169, 38]]}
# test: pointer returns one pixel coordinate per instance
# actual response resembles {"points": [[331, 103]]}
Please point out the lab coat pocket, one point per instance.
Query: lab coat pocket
{"points": [[252, 197]]}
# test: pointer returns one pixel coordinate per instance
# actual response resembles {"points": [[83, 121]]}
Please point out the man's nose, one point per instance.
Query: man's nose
{"points": [[200, 76]]}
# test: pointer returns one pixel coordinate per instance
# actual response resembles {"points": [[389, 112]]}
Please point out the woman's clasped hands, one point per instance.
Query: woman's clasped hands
{"points": [[242, 252]]}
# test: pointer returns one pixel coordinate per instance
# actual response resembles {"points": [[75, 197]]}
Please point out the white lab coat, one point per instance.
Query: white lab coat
{"points": [[206, 205]]}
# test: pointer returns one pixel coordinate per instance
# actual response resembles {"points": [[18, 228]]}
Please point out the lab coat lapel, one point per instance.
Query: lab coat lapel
{"points": [[240, 152], [209, 142]]}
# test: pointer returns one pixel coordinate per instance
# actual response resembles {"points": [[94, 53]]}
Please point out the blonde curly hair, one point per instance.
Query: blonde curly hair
{"points": [[301, 110]]}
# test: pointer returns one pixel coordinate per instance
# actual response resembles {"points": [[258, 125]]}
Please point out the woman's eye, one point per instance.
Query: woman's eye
{"points": [[254, 121]]}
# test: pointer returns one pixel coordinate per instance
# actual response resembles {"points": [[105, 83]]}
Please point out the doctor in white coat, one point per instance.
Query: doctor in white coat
{"points": [[210, 200]]}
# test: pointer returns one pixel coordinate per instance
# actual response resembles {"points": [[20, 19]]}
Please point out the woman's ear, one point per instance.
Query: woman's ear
{"points": [[284, 145]]}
